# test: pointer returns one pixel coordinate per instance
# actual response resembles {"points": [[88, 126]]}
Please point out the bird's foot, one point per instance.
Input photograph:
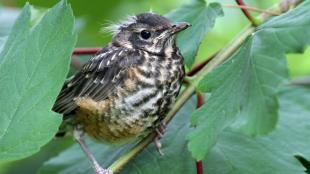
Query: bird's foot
{"points": [[161, 129], [103, 171], [159, 134], [158, 145], [78, 135]]}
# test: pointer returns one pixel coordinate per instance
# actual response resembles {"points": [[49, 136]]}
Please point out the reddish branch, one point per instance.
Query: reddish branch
{"points": [[200, 102], [247, 13], [198, 67], [77, 64], [85, 51], [199, 167]]}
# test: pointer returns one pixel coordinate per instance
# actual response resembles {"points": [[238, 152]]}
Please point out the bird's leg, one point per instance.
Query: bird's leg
{"points": [[160, 130], [79, 137]]}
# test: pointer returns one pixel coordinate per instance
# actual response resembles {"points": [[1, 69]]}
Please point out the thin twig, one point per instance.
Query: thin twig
{"points": [[271, 13], [86, 51], [82, 51], [301, 81]]}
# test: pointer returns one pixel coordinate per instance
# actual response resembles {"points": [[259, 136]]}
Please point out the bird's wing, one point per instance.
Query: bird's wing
{"points": [[97, 79]]}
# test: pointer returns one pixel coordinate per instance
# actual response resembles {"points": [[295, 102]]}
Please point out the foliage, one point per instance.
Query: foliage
{"points": [[246, 85], [253, 120], [33, 64]]}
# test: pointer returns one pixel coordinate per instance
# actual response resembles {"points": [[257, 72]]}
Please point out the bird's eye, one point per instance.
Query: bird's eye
{"points": [[145, 34]]}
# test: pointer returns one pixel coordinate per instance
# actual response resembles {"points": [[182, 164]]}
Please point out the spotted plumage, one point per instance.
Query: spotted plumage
{"points": [[128, 87]]}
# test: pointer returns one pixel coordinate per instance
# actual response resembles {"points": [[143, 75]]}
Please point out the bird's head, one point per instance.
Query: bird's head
{"points": [[149, 32]]}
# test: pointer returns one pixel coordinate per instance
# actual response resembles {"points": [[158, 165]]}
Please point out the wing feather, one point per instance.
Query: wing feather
{"points": [[97, 79]]}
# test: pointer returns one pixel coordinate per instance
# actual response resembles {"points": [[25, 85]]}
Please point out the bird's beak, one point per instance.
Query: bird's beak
{"points": [[179, 27]]}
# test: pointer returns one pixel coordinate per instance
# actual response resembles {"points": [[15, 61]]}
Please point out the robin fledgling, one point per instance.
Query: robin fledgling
{"points": [[127, 88]]}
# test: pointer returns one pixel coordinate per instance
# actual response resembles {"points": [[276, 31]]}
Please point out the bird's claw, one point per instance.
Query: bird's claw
{"points": [[158, 145], [104, 171], [159, 131]]}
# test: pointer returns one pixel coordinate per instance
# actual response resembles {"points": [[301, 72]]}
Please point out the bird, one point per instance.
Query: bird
{"points": [[126, 89]]}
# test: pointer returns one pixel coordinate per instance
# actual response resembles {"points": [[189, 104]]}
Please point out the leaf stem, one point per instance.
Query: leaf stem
{"points": [[199, 167]]}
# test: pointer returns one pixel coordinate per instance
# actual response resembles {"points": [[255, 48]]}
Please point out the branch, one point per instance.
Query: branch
{"points": [[245, 11], [200, 102], [199, 167], [198, 67], [301, 81], [77, 64], [85, 51]]}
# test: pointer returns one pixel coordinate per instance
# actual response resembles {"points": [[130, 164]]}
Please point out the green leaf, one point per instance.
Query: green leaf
{"points": [[246, 85], [202, 18], [33, 65], [7, 19], [234, 153], [2, 41]]}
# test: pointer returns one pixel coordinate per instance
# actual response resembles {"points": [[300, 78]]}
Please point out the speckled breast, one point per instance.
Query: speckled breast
{"points": [[137, 104]]}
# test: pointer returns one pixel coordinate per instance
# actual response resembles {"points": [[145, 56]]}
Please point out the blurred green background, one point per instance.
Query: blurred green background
{"points": [[93, 15]]}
